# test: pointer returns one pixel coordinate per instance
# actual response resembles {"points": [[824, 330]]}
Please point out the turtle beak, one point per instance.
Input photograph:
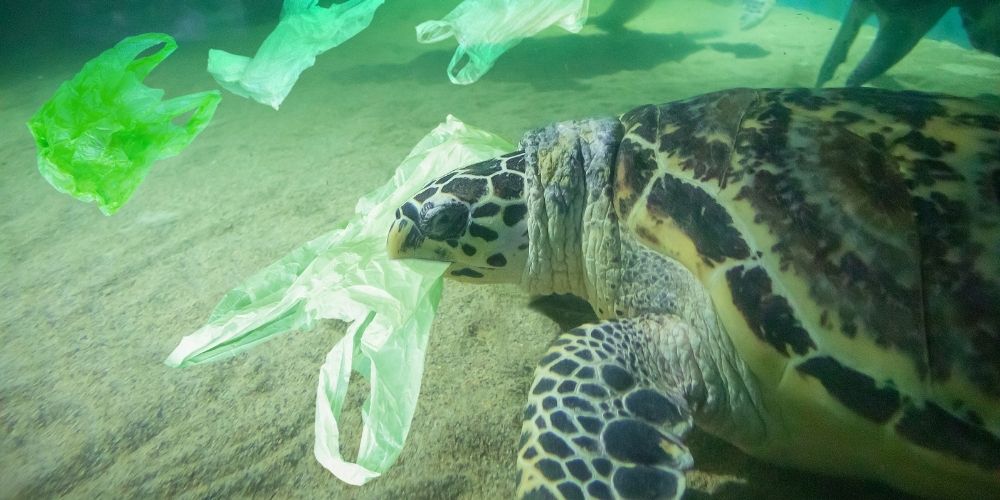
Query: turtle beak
{"points": [[403, 238]]}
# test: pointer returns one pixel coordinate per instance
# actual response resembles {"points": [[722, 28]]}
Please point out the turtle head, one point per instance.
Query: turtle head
{"points": [[473, 217], [537, 217]]}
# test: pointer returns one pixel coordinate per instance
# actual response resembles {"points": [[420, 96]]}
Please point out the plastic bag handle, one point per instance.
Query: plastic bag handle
{"points": [[296, 7], [203, 104], [473, 70], [434, 31], [142, 67]]}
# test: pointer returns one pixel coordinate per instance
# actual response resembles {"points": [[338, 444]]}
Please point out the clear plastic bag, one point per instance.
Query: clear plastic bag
{"points": [[304, 31], [485, 29], [347, 275], [754, 12]]}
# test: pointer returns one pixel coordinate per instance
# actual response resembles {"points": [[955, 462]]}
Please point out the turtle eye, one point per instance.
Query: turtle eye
{"points": [[442, 222]]}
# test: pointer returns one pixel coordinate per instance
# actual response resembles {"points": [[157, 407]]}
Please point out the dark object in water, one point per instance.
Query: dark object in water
{"points": [[902, 23]]}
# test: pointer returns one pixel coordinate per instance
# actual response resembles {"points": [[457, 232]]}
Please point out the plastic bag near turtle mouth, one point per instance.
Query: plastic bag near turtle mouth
{"points": [[305, 30], [485, 29], [101, 131], [346, 274]]}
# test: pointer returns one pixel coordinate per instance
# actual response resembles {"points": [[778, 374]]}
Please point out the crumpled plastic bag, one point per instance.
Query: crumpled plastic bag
{"points": [[347, 275], [754, 12], [101, 131], [304, 31], [485, 29]]}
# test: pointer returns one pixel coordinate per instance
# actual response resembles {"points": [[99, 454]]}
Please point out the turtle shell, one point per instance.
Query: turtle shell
{"points": [[849, 239]]}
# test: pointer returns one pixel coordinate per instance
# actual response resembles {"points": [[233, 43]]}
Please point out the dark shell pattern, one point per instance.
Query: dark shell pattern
{"points": [[847, 235]]}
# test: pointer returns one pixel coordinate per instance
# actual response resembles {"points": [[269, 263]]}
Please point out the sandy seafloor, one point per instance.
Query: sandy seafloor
{"points": [[91, 305]]}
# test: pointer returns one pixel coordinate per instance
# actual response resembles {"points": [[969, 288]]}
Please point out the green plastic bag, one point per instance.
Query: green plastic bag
{"points": [[346, 274], [304, 31], [485, 29], [101, 131]]}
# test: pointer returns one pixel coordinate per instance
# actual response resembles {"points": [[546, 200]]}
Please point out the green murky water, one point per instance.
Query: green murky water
{"points": [[91, 305]]}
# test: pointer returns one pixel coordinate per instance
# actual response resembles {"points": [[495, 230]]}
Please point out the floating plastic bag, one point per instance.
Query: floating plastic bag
{"points": [[754, 12], [485, 29], [304, 31], [347, 275], [101, 131]]}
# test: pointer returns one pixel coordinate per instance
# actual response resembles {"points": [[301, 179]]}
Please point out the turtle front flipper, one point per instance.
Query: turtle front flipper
{"points": [[596, 426]]}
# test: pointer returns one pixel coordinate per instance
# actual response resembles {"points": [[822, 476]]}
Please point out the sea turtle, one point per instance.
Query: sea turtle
{"points": [[811, 275], [902, 23]]}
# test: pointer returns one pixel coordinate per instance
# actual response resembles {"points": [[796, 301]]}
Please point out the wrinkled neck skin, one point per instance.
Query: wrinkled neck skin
{"points": [[577, 246], [576, 243], [572, 244]]}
